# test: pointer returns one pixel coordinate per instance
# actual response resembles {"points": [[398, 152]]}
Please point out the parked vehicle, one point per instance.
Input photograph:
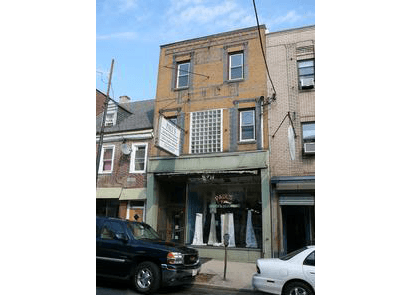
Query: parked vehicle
{"points": [[134, 250], [293, 274]]}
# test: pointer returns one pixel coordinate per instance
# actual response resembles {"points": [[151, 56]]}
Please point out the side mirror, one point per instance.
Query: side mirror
{"points": [[121, 237]]}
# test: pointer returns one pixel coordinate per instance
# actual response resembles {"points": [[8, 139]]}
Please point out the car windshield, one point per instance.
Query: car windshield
{"points": [[292, 254], [142, 231]]}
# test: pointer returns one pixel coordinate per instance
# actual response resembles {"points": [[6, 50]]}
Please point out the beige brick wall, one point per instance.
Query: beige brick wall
{"points": [[283, 50], [209, 56]]}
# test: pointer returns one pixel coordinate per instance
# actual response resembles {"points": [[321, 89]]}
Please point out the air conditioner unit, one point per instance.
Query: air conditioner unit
{"points": [[309, 148], [307, 83], [109, 122]]}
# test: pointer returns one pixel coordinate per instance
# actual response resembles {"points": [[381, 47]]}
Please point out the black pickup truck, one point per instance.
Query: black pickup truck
{"points": [[133, 250]]}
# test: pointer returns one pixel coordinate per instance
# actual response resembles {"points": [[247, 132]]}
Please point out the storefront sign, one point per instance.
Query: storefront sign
{"points": [[169, 136]]}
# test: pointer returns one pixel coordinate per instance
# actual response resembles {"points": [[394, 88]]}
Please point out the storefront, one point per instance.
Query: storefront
{"points": [[294, 198], [122, 203], [196, 200]]}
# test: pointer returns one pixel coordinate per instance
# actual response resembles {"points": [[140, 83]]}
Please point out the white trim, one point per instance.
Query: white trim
{"points": [[242, 65], [241, 129], [100, 170], [134, 147], [178, 76]]}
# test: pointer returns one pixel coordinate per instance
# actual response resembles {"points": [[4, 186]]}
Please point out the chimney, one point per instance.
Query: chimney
{"points": [[124, 99]]}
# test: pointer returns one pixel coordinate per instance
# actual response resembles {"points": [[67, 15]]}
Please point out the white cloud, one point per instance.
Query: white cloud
{"points": [[290, 17], [225, 14], [126, 5], [122, 35]]}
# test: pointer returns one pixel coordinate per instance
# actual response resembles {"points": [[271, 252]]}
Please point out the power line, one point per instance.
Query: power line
{"points": [[172, 68], [262, 49]]}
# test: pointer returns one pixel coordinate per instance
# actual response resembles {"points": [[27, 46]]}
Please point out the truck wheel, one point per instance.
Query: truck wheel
{"points": [[146, 277]]}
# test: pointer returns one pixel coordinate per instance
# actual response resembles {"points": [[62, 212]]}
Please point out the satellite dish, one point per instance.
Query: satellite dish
{"points": [[125, 149]]}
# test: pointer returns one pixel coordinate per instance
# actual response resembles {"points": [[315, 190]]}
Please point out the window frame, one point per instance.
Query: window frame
{"points": [[230, 55], [241, 126], [302, 132], [101, 167], [179, 64], [133, 157], [300, 76]]}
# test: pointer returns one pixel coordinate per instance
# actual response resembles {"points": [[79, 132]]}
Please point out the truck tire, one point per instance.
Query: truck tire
{"points": [[146, 277]]}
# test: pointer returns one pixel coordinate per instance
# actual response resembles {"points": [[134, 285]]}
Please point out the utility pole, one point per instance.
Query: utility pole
{"points": [[100, 144]]}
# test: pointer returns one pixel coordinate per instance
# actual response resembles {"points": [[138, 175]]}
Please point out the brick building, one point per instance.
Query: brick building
{"points": [[100, 99], [122, 178], [213, 90], [290, 58]]}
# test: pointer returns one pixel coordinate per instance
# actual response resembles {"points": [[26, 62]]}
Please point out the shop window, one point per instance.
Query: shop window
{"points": [[206, 133], [138, 158], [107, 159], [214, 210], [306, 75], [183, 70], [247, 125]]}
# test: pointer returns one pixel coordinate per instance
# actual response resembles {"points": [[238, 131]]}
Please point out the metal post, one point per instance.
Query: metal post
{"points": [[226, 240]]}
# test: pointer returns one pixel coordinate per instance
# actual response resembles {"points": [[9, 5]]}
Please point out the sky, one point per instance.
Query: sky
{"points": [[131, 32]]}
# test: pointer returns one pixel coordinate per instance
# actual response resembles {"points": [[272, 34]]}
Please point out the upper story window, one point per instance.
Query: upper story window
{"points": [[138, 158], [236, 66], [111, 116], [206, 132], [306, 74], [183, 70], [309, 137], [247, 125], [107, 159]]}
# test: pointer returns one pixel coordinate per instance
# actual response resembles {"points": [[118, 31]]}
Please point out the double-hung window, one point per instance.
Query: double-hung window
{"points": [[309, 137], [107, 159], [306, 74], [183, 70], [138, 158], [206, 132], [247, 125], [236, 66]]}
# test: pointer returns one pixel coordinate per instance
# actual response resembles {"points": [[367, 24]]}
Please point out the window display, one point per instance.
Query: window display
{"points": [[214, 210]]}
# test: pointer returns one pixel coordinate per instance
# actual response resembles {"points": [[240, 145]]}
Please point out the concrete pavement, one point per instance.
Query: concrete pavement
{"points": [[238, 275]]}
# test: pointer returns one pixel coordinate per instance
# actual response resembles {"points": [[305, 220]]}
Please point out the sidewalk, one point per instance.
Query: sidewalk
{"points": [[238, 275]]}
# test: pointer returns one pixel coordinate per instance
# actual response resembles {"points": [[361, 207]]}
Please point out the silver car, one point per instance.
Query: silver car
{"points": [[293, 274]]}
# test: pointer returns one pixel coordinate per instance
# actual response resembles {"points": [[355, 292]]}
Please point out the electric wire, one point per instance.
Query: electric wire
{"points": [[262, 49]]}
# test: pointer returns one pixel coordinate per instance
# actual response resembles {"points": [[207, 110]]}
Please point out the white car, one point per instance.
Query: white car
{"points": [[293, 274]]}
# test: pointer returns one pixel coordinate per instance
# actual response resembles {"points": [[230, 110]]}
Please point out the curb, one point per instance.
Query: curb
{"points": [[223, 287]]}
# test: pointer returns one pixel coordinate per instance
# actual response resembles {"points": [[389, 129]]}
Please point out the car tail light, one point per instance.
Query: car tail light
{"points": [[258, 269]]}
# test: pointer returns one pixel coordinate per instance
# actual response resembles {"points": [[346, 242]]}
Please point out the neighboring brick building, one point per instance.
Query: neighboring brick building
{"points": [[122, 178], [100, 100], [290, 58], [214, 89]]}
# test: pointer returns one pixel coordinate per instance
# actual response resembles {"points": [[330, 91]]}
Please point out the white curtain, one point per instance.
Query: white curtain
{"points": [[250, 240], [212, 237], [198, 232], [231, 229]]}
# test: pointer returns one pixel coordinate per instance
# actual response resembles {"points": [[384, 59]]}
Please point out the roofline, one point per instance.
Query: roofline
{"points": [[214, 35], [291, 29]]}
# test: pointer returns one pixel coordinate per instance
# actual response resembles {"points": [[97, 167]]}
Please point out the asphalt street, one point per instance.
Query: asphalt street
{"points": [[111, 287]]}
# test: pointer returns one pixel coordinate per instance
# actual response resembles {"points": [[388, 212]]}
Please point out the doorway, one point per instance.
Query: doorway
{"points": [[297, 226]]}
